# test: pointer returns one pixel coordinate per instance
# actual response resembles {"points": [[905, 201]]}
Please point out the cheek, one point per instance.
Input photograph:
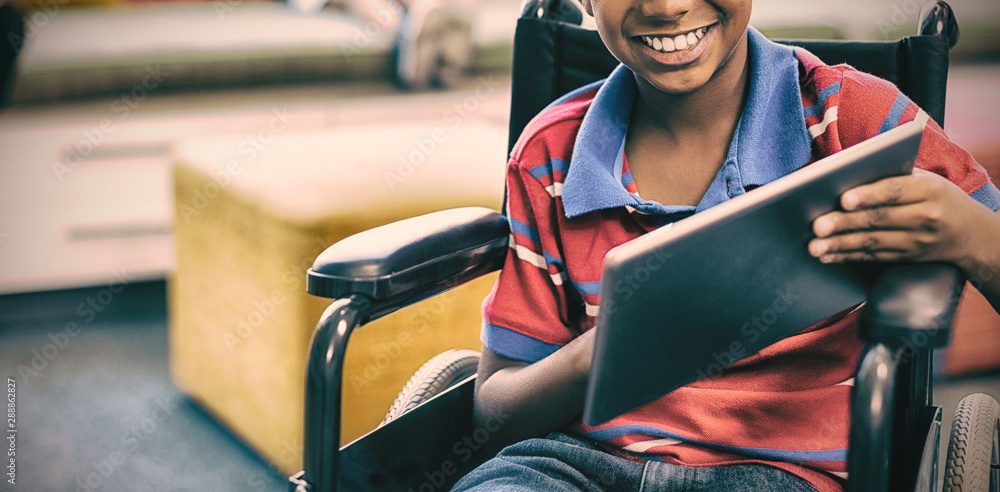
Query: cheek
{"points": [[613, 40], [737, 9]]}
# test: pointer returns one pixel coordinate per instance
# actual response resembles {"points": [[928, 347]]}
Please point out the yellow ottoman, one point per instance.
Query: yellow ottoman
{"points": [[252, 214]]}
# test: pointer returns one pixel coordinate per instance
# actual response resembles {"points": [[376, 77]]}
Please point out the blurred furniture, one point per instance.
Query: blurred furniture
{"points": [[219, 45], [252, 213], [86, 198], [975, 340]]}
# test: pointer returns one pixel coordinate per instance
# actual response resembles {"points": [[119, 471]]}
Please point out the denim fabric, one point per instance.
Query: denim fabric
{"points": [[562, 462]]}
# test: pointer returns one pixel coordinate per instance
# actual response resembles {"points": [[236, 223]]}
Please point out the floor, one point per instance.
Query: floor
{"points": [[96, 409]]}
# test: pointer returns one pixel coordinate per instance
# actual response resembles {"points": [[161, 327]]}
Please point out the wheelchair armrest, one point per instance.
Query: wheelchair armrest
{"points": [[910, 302], [416, 257], [909, 312], [371, 274]]}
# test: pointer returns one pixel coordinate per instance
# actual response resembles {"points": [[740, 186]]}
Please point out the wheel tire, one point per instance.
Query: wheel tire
{"points": [[973, 446], [434, 377]]}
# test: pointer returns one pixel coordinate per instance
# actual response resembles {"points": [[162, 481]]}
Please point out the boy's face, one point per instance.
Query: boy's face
{"points": [[678, 46]]}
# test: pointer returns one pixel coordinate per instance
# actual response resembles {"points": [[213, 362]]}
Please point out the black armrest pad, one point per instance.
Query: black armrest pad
{"points": [[427, 250], [910, 299]]}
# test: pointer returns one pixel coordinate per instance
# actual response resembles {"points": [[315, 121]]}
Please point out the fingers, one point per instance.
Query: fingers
{"points": [[890, 204], [908, 217], [871, 246], [921, 217], [887, 233], [887, 192]]}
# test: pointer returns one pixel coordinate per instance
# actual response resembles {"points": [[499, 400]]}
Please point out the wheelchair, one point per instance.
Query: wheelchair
{"points": [[429, 440]]}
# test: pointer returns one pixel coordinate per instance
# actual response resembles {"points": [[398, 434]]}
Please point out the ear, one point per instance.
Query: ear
{"points": [[588, 7]]}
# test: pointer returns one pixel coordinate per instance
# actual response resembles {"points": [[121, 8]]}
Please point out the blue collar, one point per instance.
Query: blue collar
{"points": [[772, 126]]}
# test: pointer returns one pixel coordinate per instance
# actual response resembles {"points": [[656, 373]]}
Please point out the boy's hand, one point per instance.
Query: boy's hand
{"points": [[920, 217]]}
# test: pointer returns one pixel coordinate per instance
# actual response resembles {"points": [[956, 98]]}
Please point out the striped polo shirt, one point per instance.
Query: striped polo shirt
{"points": [[571, 199]]}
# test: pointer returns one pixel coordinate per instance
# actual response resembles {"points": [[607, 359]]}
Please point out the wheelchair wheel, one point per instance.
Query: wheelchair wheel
{"points": [[435, 376], [974, 448]]}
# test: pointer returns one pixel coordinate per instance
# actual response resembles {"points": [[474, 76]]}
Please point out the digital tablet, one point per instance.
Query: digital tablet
{"points": [[680, 303]]}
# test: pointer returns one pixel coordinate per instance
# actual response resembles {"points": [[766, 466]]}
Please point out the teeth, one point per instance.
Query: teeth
{"points": [[680, 42]]}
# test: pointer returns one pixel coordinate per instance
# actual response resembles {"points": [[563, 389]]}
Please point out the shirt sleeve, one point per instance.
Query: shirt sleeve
{"points": [[528, 316], [871, 106]]}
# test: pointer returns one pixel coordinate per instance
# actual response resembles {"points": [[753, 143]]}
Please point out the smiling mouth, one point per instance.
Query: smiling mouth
{"points": [[680, 42]]}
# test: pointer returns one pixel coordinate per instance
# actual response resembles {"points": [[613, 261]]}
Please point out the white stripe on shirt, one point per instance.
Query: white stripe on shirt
{"points": [[828, 117], [642, 447]]}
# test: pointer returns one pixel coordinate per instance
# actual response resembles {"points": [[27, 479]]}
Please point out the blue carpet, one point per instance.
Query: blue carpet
{"points": [[96, 409]]}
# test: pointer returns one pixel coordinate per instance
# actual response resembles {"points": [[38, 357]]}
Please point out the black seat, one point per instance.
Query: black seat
{"points": [[431, 447]]}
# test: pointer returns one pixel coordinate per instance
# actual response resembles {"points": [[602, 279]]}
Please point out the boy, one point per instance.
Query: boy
{"points": [[702, 109]]}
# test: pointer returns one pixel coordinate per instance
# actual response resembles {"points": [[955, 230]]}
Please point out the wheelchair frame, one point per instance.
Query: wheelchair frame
{"points": [[895, 428]]}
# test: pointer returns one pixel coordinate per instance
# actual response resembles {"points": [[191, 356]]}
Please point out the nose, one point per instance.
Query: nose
{"points": [[667, 10]]}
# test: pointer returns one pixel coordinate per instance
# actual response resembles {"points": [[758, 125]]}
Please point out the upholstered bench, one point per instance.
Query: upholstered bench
{"points": [[251, 214]]}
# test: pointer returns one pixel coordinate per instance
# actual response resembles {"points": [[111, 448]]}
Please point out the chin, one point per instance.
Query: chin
{"points": [[677, 86]]}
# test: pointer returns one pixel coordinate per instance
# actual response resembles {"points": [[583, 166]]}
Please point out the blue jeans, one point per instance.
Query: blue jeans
{"points": [[562, 462]]}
